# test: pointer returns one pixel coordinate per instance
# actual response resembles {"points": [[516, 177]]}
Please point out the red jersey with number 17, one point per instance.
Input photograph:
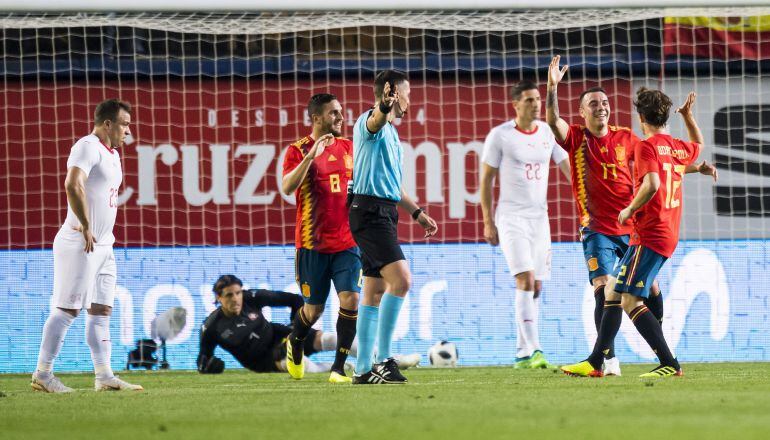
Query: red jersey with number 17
{"points": [[322, 217], [657, 222], [601, 177]]}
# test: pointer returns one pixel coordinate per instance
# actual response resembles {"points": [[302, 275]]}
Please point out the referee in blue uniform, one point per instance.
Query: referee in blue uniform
{"points": [[377, 190]]}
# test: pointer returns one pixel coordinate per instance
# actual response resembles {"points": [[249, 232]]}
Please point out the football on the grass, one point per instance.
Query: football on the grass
{"points": [[443, 354]]}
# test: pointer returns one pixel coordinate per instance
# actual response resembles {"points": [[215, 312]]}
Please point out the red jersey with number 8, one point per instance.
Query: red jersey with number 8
{"points": [[322, 217], [657, 222], [601, 176]]}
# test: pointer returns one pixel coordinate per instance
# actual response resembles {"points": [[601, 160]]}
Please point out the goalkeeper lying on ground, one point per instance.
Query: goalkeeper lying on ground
{"points": [[239, 327]]}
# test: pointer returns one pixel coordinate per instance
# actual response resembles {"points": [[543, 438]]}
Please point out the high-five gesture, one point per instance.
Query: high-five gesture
{"points": [[555, 74], [689, 120], [686, 108], [559, 126]]}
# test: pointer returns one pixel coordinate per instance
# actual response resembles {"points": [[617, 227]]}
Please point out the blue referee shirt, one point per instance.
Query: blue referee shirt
{"points": [[377, 161]]}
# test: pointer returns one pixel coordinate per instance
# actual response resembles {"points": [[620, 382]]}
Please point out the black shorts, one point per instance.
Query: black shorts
{"points": [[374, 224]]}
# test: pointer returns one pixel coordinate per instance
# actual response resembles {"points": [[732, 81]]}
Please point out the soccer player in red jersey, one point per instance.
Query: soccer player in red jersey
{"points": [[660, 164], [317, 169], [600, 155]]}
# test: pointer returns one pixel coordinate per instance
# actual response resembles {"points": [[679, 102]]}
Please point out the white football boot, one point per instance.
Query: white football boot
{"points": [[115, 384], [50, 384], [405, 361], [611, 367]]}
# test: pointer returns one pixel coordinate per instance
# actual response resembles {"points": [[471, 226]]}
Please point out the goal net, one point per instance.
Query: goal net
{"points": [[217, 98]]}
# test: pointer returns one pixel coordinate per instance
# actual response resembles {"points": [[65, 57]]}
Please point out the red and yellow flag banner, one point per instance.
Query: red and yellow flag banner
{"points": [[721, 38]]}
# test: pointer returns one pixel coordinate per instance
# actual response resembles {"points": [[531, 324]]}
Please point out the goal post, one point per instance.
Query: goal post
{"points": [[217, 97]]}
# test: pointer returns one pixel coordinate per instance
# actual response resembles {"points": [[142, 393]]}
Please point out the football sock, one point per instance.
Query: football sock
{"points": [[390, 307], [54, 331], [652, 332], [611, 319], [366, 329], [301, 327], [346, 332], [598, 312], [98, 339], [655, 304], [525, 316]]}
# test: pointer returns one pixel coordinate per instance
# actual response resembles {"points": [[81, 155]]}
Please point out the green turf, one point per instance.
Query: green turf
{"points": [[713, 401]]}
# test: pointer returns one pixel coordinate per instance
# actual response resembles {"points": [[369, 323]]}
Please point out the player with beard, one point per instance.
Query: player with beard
{"points": [[602, 185], [317, 169], [660, 165]]}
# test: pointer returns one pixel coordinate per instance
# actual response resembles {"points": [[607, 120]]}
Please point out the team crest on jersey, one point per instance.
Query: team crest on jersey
{"points": [[620, 153], [252, 316], [306, 290], [593, 264], [348, 161]]}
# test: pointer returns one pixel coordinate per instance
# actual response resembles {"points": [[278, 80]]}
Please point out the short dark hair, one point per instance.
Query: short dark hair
{"points": [[521, 87], [225, 281], [108, 110], [394, 77], [591, 90], [654, 105], [317, 102]]}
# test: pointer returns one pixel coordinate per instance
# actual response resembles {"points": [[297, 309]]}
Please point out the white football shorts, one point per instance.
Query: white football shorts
{"points": [[81, 279], [526, 244]]}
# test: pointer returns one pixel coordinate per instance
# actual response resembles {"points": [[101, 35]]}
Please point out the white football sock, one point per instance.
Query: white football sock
{"points": [[98, 339], [54, 331], [525, 316], [536, 302]]}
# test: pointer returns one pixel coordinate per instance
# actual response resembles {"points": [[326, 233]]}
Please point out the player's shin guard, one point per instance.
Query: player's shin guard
{"points": [[54, 331], [300, 329], [346, 332], [366, 328], [655, 304], [390, 307], [98, 339], [652, 332], [611, 319], [598, 312]]}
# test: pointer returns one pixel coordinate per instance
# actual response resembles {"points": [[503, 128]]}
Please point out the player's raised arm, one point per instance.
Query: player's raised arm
{"points": [[382, 108], [695, 135], [693, 131], [417, 213], [75, 186], [558, 125], [488, 175]]}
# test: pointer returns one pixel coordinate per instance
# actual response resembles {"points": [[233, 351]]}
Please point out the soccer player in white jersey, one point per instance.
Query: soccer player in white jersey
{"points": [[519, 151], [83, 261]]}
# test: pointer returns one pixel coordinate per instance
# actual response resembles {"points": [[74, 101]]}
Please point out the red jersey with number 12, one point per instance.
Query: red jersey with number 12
{"points": [[601, 177], [657, 222], [322, 217]]}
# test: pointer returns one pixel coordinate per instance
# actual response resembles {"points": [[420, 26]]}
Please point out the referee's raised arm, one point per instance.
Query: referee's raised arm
{"points": [[382, 108]]}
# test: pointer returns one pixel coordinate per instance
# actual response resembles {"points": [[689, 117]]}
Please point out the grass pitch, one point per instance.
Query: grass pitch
{"points": [[712, 401]]}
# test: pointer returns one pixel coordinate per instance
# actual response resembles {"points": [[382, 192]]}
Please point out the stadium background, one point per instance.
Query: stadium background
{"points": [[213, 114]]}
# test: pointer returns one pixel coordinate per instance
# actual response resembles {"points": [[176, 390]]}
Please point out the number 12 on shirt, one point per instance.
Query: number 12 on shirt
{"points": [[672, 186]]}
